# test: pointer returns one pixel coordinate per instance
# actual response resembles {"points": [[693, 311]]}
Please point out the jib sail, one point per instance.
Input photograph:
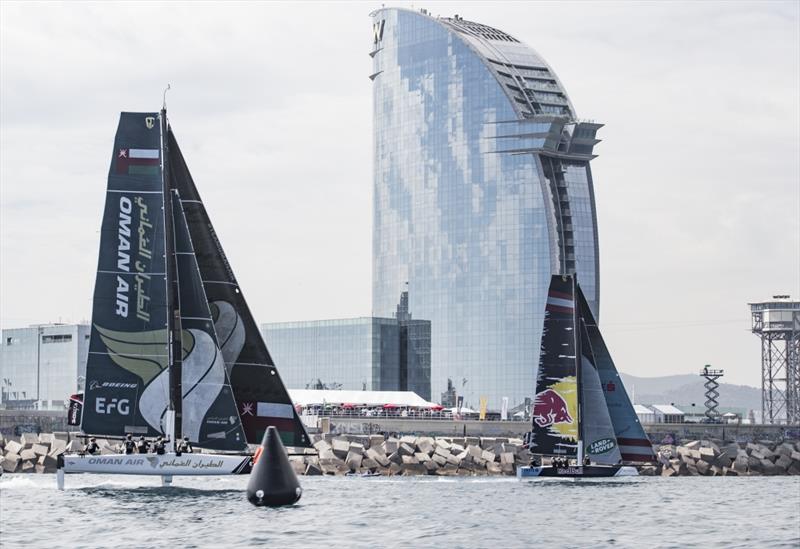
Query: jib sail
{"points": [[597, 432], [208, 410], [631, 438], [555, 407], [128, 348], [260, 395]]}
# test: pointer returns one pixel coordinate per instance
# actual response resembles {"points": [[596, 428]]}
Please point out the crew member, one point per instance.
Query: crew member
{"points": [[159, 446], [142, 446], [129, 444], [587, 461], [185, 446], [92, 448]]}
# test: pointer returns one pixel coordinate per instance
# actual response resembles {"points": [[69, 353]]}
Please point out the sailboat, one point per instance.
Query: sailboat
{"points": [[174, 350], [581, 417]]}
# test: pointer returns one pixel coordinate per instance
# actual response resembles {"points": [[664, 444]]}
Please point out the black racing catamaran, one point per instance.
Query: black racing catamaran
{"points": [[174, 349], [582, 416]]}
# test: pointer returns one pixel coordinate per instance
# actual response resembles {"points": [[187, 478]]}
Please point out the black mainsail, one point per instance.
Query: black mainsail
{"points": [[173, 349], [555, 408], [128, 348], [261, 396]]}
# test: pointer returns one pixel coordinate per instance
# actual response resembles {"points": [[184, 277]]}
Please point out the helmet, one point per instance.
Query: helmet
{"points": [[186, 439]]}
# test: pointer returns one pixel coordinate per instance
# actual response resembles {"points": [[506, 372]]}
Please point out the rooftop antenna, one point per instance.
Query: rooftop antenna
{"points": [[164, 104]]}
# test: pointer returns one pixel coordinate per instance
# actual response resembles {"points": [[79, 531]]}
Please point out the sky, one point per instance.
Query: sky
{"points": [[697, 181]]}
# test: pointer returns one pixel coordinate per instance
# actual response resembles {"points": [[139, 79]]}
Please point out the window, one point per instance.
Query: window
{"points": [[58, 338], [12, 340]]}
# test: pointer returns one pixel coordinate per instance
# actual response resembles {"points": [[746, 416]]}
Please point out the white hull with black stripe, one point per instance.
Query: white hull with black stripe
{"points": [[163, 465]]}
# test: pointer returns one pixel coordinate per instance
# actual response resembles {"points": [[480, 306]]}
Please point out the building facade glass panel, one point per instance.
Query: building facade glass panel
{"points": [[474, 177]]}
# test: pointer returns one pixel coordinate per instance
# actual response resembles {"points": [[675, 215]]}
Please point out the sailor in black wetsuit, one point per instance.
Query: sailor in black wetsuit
{"points": [[142, 446], [129, 444], [159, 447], [185, 446], [92, 447]]}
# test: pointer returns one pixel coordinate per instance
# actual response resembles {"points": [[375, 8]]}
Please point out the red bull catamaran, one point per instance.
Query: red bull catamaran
{"points": [[174, 349], [582, 418]]}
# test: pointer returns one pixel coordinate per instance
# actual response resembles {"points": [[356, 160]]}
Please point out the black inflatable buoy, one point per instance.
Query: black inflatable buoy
{"points": [[272, 482]]}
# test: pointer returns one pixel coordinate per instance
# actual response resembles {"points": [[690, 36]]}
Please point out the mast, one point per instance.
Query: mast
{"points": [[173, 423], [576, 319]]}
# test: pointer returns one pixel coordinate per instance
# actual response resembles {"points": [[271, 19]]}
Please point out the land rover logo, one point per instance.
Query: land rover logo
{"points": [[602, 446]]}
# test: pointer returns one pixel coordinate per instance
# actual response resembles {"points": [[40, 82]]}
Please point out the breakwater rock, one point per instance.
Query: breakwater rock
{"points": [[444, 456], [717, 458]]}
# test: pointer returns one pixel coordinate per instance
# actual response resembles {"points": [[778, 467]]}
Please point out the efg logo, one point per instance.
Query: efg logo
{"points": [[377, 30], [120, 406]]}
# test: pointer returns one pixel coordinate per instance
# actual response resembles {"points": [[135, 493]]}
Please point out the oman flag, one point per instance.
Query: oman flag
{"points": [[138, 162]]}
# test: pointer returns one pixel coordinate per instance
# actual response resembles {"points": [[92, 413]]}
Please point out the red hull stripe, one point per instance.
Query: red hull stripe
{"points": [[557, 309], [561, 295], [638, 457], [635, 442]]}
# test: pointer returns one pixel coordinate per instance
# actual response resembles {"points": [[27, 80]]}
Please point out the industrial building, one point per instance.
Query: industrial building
{"points": [[42, 365], [363, 354]]}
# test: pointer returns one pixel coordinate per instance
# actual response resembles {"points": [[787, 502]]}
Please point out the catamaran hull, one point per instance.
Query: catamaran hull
{"points": [[577, 472], [168, 464]]}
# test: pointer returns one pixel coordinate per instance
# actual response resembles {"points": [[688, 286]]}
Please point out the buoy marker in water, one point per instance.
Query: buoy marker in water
{"points": [[272, 481]]}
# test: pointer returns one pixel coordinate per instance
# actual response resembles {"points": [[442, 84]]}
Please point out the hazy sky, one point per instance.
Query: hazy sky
{"points": [[697, 182]]}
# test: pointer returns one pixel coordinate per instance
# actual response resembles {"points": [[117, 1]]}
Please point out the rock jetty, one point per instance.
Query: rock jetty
{"points": [[444, 456], [718, 458]]}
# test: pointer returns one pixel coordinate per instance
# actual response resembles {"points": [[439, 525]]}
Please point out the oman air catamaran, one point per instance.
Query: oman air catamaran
{"points": [[174, 350], [582, 416]]}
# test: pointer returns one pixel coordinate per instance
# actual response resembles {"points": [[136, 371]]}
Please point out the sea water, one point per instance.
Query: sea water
{"points": [[125, 511]]}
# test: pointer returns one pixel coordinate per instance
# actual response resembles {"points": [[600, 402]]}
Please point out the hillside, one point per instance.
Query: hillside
{"points": [[687, 389]]}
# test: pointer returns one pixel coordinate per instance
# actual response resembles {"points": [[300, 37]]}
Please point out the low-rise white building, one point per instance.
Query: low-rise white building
{"points": [[42, 365], [667, 413], [645, 414]]}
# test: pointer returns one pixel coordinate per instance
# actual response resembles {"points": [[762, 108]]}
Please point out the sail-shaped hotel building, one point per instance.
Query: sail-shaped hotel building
{"points": [[482, 191]]}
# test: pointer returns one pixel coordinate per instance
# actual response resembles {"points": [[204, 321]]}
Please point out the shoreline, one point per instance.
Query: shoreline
{"points": [[411, 455]]}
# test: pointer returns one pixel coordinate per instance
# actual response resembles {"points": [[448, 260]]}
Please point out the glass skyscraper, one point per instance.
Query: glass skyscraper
{"points": [[482, 191]]}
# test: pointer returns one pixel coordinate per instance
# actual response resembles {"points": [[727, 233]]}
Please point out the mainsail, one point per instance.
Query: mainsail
{"points": [[128, 349], [631, 438], [555, 407], [261, 396]]}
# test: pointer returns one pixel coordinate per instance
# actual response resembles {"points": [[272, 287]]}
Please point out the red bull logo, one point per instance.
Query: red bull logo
{"points": [[550, 408]]}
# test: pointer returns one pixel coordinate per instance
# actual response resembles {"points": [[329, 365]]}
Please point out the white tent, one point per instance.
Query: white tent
{"points": [[401, 399]]}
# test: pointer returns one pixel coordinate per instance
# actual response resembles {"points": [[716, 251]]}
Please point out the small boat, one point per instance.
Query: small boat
{"points": [[174, 350], [582, 416]]}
